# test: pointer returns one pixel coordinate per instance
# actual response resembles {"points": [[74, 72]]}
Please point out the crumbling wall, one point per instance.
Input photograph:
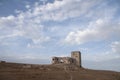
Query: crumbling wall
{"points": [[63, 60]]}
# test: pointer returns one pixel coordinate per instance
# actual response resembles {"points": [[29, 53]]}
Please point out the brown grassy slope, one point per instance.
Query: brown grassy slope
{"points": [[12, 71]]}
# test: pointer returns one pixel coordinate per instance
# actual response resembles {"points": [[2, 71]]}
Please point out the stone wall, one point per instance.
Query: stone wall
{"points": [[63, 60]]}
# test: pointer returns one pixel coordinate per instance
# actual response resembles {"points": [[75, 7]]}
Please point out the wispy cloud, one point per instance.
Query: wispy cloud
{"points": [[116, 47], [96, 31], [29, 24]]}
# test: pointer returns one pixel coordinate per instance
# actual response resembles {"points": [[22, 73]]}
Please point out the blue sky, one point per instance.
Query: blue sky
{"points": [[32, 31]]}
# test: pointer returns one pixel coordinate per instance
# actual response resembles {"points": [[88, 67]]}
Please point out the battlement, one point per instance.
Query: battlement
{"points": [[75, 59]]}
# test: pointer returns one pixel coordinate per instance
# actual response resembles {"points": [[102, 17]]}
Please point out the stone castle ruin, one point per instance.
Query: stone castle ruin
{"points": [[75, 59]]}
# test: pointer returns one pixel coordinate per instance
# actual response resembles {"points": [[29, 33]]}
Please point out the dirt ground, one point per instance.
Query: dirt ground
{"points": [[14, 71]]}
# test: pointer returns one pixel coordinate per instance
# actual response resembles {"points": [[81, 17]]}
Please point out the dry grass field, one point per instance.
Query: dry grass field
{"points": [[14, 71]]}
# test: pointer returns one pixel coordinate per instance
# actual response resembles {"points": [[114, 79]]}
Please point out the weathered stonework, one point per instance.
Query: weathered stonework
{"points": [[77, 56], [75, 59], [63, 60]]}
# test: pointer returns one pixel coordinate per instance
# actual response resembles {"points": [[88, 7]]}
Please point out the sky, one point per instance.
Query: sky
{"points": [[33, 31]]}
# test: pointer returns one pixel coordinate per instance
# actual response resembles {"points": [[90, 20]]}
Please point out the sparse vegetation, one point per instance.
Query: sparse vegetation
{"points": [[13, 71]]}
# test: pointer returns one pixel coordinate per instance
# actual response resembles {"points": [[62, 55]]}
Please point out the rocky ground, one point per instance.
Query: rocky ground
{"points": [[14, 71]]}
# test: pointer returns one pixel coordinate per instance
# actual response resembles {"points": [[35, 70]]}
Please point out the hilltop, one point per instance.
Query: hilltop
{"points": [[16, 71]]}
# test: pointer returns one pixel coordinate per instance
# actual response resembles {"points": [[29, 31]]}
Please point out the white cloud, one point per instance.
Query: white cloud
{"points": [[14, 34], [28, 24], [116, 47], [107, 60], [109, 55], [96, 31], [24, 25], [61, 10], [27, 6], [7, 21]]}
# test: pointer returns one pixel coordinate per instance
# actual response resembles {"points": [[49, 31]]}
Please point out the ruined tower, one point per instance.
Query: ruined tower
{"points": [[75, 59], [77, 56]]}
